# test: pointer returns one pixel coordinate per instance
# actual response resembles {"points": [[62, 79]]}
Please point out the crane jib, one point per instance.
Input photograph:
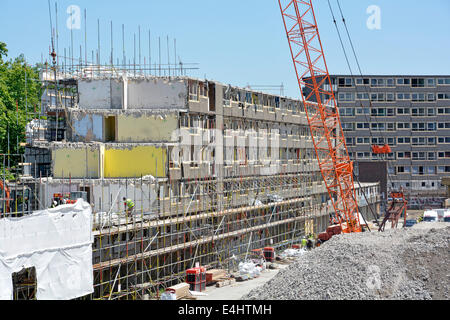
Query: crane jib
{"points": [[321, 110]]}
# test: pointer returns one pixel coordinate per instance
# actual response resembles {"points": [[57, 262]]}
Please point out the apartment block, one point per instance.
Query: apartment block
{"points": [[409, 113]]}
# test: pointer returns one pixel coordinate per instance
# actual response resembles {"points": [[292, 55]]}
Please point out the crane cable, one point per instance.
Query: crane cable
{"points": [[360, 72], [370, 101]]}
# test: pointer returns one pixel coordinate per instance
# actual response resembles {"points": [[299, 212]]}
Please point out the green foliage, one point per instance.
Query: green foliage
{"points": [[15, 94], [3, 50]]}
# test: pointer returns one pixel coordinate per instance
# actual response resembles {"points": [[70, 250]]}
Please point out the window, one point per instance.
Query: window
{"points": [[431, 97], [390, 126], [362, 125], [419, 156], [431, 170], [360, 111], [362, 140], [418, 97], [416, 170], [377, 82], [401, 111], [378, 141], [193, 91], [420, 141], [403, 82], [378, 126], [431, 155], [390, 97], [431, 126], [406, 140], [443, 96], [347, 112], [390, 83], [431, 141], [348, 96], [378, 112], [431, 82], [360, 81], [345, 82], [443, 81], [391, 141], [417, 82], [362, 96], [443, 125], [418, 112], [380, 97], [403, 96], [390, 112], [431, 112], [350, 141], [348, 127], [203, 90], [418, 126], [403, 125]]}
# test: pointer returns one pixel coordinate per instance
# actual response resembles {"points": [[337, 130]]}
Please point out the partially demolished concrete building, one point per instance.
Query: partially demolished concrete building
{"points": [[215, 171]]}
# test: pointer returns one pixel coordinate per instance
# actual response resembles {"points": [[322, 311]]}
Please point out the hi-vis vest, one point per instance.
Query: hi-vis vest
{"points": [[129, 203]]}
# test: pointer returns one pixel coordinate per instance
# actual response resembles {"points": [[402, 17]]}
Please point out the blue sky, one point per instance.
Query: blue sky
{"points": [[243, 42]]}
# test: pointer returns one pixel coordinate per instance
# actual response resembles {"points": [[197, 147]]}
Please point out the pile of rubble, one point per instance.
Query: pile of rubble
{"points": [[399, 264]]}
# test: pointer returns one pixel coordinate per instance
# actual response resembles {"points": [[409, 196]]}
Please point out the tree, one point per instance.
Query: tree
{"points": [[16, 96], [3, 50]]}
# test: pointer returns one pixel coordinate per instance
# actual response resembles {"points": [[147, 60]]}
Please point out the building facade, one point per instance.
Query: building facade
{"points": [[409, 113]]}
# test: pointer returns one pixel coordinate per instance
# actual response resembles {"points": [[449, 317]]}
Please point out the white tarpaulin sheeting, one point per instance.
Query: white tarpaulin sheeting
{"points": [[58, 243]]}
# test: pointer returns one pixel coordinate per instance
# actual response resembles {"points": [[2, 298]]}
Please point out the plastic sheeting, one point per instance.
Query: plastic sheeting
{"points": [[58, 243]]}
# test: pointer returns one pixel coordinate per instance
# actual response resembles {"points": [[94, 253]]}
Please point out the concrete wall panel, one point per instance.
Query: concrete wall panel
{"points": [[146, 128], [157, 94], [76, 162], [135, 162], [100, 94]]}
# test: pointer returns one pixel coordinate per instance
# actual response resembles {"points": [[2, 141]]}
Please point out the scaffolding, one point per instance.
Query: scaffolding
{"points": [[211, 220]]}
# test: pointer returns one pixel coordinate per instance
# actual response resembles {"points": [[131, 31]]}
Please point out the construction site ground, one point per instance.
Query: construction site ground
{"points": [[238, 289], [407, 263]]}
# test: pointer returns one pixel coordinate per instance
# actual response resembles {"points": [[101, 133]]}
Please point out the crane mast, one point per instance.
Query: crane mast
{"points": [[321, 110]]}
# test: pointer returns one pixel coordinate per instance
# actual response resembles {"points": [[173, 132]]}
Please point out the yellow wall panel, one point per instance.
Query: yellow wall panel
{"points": [[72, 162], [135, 162], [146, 128]]}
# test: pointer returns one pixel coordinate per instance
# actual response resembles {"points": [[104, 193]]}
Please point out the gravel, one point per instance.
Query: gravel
{"points": [[398, 264]]}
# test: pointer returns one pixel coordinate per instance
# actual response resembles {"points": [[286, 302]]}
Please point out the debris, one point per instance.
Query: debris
{"points": [[250, 269], [225, 282], [212, 276], [178, 291], [197, 294], [399, 264]]}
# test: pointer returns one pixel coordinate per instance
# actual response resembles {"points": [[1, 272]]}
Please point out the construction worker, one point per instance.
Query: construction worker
{"points": [[129, 206], [304, 242], [309, 244]]}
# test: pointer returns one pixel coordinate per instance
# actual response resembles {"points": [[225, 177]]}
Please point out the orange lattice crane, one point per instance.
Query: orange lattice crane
{"points": [[321, 110]]}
